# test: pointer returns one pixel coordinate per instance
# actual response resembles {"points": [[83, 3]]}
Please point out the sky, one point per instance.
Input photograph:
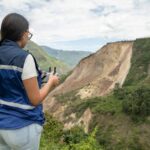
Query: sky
{"points": [[82, 24]]}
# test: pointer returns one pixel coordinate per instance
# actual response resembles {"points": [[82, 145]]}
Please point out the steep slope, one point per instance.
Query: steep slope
{"points": [[69, 57], [45, 61], [97, 74]]}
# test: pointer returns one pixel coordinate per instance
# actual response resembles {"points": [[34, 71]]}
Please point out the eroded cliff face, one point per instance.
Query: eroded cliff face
{"points": [[98, 73], [95, 75], [116, 64]]}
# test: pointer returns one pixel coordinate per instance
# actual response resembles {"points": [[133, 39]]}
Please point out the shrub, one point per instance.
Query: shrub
{"points": [[137, 104]]}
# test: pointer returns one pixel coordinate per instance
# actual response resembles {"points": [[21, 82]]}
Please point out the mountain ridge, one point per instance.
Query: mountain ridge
{"points": [[45, 61], [69, 57]]}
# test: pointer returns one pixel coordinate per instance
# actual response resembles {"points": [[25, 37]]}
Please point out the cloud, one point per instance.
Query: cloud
{"points": [[54, 21]]}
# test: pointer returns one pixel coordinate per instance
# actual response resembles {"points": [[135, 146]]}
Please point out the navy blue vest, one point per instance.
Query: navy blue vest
{"points": [[16, 111]]}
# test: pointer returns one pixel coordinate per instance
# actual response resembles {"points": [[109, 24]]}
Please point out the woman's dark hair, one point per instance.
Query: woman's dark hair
{"points": [[13, 26]]}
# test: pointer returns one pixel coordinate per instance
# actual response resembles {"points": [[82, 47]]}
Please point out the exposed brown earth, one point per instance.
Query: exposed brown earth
{"points": [[95, 75]]}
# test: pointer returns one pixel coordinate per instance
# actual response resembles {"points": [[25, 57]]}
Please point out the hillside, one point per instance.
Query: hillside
{"points": [[71, 58], [140, 70], [112, 94], [45, 61], [106, 67]]}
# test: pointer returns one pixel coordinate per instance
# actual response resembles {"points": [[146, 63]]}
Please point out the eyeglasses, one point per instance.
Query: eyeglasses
{"points": [[29, 35]]}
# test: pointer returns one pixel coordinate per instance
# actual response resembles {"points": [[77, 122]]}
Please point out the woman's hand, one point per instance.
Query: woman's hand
{"points": [[54, 80]]}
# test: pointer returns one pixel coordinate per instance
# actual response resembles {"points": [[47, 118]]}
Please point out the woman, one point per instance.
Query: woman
{"points": [[21, 94]]}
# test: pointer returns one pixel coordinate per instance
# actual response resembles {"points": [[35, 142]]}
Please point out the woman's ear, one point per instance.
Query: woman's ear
{"points": [[24, 36]]}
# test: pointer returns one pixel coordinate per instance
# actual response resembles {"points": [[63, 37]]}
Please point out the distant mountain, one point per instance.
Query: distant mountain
{"points": [[69, 57], [44, 60]]}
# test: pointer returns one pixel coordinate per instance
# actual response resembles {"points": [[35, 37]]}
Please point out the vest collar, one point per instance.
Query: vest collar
{"points": [[9, 43]]}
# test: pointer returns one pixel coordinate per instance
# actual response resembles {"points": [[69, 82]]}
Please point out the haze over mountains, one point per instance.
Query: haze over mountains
{"points": [[71, 57]]}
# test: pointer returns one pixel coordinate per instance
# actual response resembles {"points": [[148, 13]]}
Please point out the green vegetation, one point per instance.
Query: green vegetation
{"points": [[137, 103], [45, 61], [55, 138], [139, 72], [121, 118], [116, 129]]}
